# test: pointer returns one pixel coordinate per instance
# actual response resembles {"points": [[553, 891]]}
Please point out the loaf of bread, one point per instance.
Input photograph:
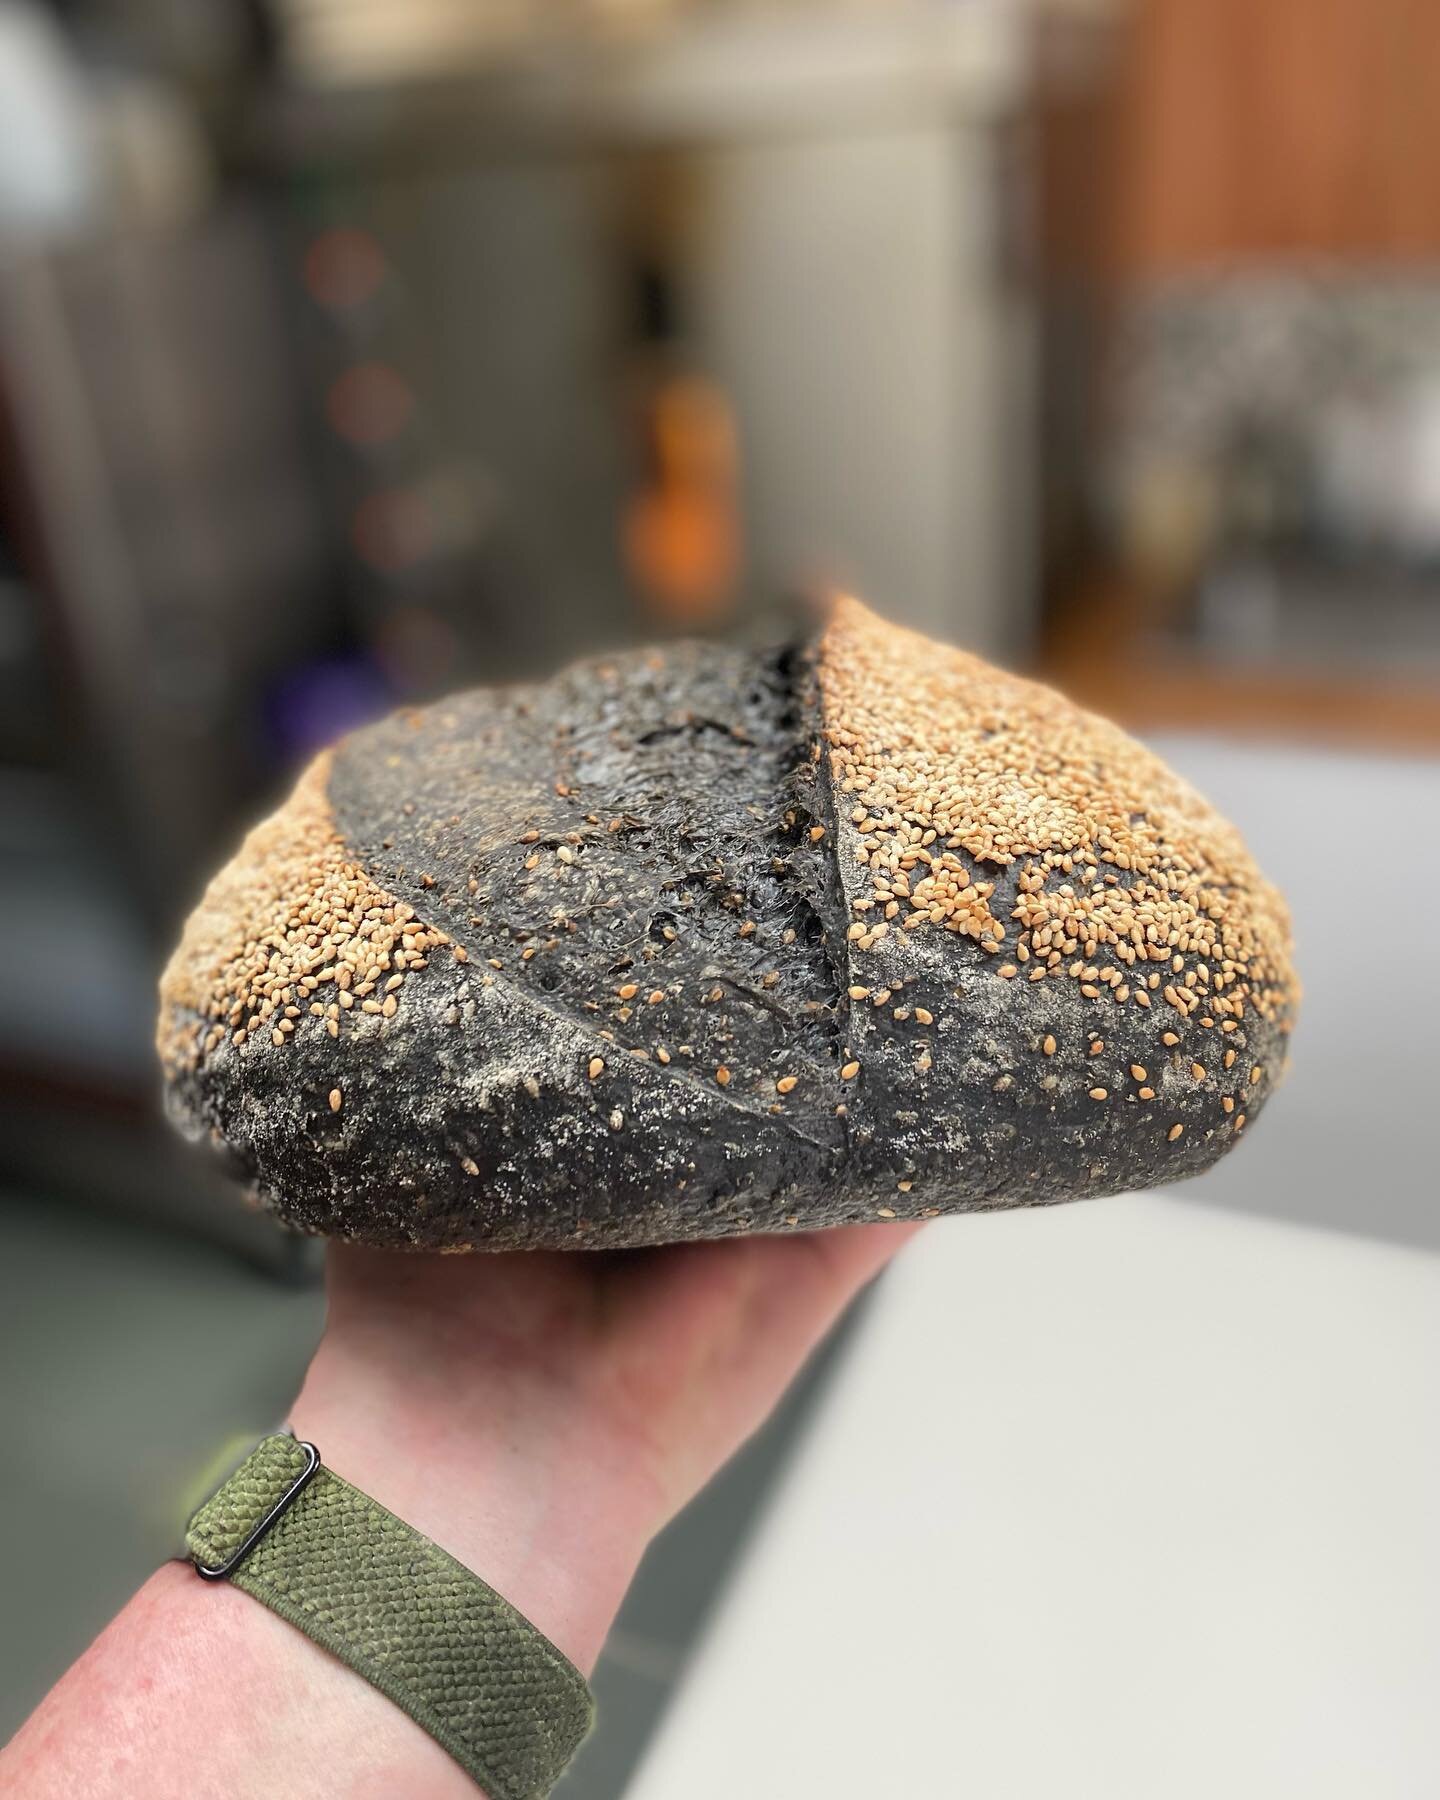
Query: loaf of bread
{"points": [[702, 940]]}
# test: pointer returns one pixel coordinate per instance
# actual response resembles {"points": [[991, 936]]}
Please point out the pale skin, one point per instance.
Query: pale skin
{"points": [[541, 1416]]}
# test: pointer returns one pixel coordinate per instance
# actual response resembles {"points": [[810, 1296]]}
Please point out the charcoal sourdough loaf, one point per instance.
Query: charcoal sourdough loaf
{"points": [[702, 940]]}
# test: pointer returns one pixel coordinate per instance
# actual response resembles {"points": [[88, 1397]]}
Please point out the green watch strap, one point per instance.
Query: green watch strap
{"points": [[401, 1612]]}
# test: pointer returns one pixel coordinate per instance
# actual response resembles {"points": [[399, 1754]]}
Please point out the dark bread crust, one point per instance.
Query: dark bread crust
{"points": [[666, 824]]}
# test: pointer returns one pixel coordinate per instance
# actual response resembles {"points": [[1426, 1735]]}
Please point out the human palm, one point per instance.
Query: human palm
{"points": [[661, 1359]]}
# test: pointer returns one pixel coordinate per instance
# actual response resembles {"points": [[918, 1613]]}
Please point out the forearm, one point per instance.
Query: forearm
{"points": [[539, 1417], [197, 1693], [197, 1690]]}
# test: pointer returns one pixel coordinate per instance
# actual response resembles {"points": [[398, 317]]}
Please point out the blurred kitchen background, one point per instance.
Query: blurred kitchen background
{"points": [[354, 350]]}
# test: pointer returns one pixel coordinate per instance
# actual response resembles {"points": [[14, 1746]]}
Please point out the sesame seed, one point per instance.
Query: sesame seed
{"points": [[1048, 1046], [1138, 1071], [597, 1067], [1174, 1132], [786, 1084], [1198, 1070], [1099, 1093], [849, 1071], [722, 1075], [337, 1099]]}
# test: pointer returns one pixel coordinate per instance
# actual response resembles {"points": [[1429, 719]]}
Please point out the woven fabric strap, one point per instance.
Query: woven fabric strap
{"points": [[400, 1611]]}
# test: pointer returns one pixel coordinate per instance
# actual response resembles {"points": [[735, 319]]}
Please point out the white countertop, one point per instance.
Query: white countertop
{"points": [[1125, 1500]]}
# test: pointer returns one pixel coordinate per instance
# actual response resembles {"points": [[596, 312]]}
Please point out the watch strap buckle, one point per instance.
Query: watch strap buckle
{"points": [[249, 1504]]}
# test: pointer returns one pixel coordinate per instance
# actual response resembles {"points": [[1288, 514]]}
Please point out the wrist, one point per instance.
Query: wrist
{"points": [[531, 1494]]}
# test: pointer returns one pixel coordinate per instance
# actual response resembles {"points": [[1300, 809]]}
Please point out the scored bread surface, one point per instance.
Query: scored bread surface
{"points": [[701, 940]]}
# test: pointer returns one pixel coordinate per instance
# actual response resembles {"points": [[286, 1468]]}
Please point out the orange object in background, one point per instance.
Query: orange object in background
{"points": [[682, 536], [369, 404], [343, 268]]}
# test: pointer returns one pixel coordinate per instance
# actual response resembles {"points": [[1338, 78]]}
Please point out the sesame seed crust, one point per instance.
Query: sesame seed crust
{"points": [[953, 771], [290, 928], [733, 940], [1068, 909]]}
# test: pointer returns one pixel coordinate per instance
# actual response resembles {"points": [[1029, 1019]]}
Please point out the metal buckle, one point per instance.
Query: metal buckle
{"points": [[282, 1505]]}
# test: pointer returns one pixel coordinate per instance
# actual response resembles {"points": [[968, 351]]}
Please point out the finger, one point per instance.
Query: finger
{"points": [[802, 1284]]}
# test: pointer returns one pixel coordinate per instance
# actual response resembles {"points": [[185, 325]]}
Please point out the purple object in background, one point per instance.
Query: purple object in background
{"points": [[313, 704]]}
